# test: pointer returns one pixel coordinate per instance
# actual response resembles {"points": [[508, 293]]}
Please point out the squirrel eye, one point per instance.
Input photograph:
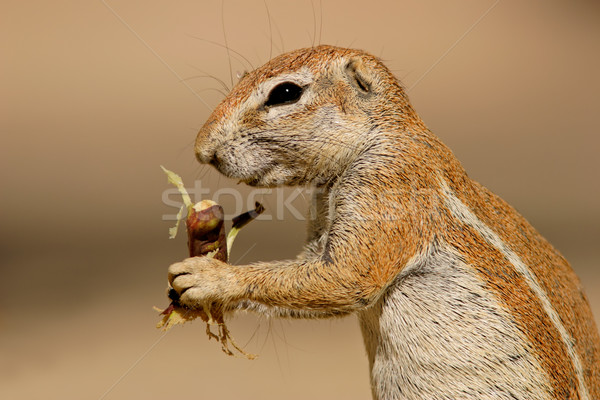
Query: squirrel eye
{"points": [[284, 93]]}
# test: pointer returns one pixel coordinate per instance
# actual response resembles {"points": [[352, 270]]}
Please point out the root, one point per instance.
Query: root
{"points": [[177, 315]]}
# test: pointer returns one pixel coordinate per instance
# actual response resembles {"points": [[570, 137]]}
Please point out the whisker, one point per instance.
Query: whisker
{"points": [[241, 58], [320, 20], [214, 89], [282, 49], [285, 139], [225, 38], [270, 31], [219, 80], [186, 147], [314, 38]]}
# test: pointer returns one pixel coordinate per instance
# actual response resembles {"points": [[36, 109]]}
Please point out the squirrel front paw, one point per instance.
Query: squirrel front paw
{"points": [[199, 281]]}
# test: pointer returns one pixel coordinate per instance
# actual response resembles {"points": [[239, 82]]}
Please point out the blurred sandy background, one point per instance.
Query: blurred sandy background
{"points": [[95, 97]]}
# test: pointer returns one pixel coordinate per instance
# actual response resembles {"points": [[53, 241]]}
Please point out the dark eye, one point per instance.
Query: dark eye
{"points": [[284, 93]]}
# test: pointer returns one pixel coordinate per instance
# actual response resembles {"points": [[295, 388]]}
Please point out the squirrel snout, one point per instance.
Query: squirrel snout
{"points": [[206, 152], [212, 159], [205, 157], [204, 146]]}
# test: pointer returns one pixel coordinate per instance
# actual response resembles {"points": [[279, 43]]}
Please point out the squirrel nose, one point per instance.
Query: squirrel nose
{"points": [[204, 159], [204, 147]]}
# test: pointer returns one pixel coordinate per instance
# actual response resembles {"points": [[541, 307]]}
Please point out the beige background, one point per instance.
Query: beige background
{"points": [[95, 97]]}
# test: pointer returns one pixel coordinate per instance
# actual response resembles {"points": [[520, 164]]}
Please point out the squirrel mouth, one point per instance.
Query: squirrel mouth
{"points": [[215, 162], [252, 182], [258, 179]]}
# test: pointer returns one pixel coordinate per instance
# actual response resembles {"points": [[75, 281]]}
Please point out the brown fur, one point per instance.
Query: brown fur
{"points": [[392, 198], [559, 282]]}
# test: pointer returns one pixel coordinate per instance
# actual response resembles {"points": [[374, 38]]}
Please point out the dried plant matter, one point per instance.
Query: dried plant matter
{"points": [[206, 238]]}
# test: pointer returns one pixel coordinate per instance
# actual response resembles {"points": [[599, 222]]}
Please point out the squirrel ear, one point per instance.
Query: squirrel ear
{"points": [[358, 75]]}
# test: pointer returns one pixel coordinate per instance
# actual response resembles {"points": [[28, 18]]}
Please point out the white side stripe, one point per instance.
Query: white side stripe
{"points": [[464, 214]]}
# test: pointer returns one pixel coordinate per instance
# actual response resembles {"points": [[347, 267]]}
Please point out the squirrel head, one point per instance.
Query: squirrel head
{"points": [[302, 118]]}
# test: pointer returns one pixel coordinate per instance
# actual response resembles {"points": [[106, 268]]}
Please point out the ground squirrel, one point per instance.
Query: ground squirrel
{"points": [[457, 295]]}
